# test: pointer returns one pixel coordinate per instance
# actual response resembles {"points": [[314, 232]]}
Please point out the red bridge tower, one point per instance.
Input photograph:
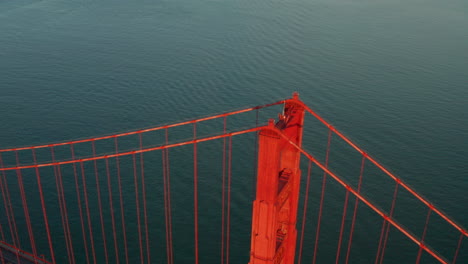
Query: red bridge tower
{"points": [[278, 177]]}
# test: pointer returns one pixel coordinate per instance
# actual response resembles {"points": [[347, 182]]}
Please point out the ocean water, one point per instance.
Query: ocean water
{"points": [[393, 75]]}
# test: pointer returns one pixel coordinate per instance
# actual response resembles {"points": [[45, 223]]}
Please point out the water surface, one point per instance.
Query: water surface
{"points": [[391, 74]]}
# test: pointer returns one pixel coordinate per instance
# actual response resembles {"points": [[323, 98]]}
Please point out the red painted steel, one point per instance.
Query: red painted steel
{"points": [[275, 209], [391, 175], [85, 194], [101, 218], [143, 193], [122, 214], [322, 197], [273, 238], [25, 207], [111, 206], [195, 191], [63, 207], [304, 213], [198, 120], [137, 202], [402, 229], [356, 201], [25, 254], [121, 154], [80, 210], [228, 216], [167, 200]]}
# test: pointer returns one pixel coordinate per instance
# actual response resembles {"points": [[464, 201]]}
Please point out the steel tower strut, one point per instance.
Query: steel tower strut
{"points": [[273, 238]]}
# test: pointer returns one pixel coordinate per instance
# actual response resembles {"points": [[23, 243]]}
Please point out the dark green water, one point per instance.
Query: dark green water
{"points": [[393, 75]]}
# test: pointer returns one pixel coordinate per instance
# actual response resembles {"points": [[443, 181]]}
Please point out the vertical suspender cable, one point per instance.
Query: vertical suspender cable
{"points": [[345, 207], [85, 194], [122, 212], [111, 205], [166, 213], [9, 209], [137, 201], [6, 211], [317, 234], [254, 182], [418, 258], [57, 174], [25, 207], [44, 211], [143, 190], [78, 196], [387, 226], [168, 189], [223, 193], [195, 190], [361, 173], [228, 224], [379, 248], [98, 188], [62, 190], [304, 212], [458, 248]]}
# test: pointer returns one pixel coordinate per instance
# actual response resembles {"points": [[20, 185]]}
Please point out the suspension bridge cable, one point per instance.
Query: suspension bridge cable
{"points": [[65, 210], [62, 207], [383, 169], [168, 174], [387, 228], [98, 189], [345, 207], [418, 258], [304, 212], [254, 182], [388, 219], [223, 193], [166, 206], [458, 248], [78, 199], [322, 196], [25, 207], [195, 190], [111, 205], [147, 129], [62, 190], [167, 199], [228, 221], [353, 221], [166, 221], [143, 190], [9, 208], [122, 214], [366, 201], [85, 194], [137, 202], [184, 143]]}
